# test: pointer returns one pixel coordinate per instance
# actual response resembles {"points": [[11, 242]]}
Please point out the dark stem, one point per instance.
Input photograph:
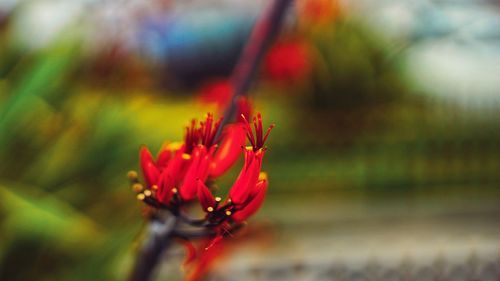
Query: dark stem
{"points": [[261, 37], [157, 241]]}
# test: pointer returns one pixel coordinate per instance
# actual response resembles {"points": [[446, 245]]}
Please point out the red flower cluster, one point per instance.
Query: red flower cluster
{"points": [[248, 191], [181, 170]]}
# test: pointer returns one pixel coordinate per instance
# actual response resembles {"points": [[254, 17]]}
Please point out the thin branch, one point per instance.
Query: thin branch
{"points": [[261, 37], [158, 239]]}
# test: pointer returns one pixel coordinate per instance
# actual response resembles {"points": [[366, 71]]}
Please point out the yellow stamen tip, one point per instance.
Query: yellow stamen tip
{"points": [[210, 209], [174, 190], [154, 187], [147, 192], [141, 196], [249, 147], [218, 199], [137, 187], [262, 176], [228, 213], [132, 175], [186, 156]]}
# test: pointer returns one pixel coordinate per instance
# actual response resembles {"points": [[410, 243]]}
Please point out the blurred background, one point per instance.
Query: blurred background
{"points": [[384, 165]]}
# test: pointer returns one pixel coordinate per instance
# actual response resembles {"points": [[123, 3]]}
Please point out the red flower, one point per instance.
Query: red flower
{"points": [[198, 170], [180, 173], [288, 62], [248, 191], [254, 201], [247, 178], [218, 92], [172, 175], [318, 12], [207, 200], [149, 169]]}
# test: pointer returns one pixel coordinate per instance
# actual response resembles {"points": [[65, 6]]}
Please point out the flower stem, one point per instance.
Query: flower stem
{"points": [[158, 240], [261, 37]]}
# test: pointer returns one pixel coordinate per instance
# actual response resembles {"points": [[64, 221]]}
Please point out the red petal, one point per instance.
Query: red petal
{"points": [[163, 157], [218, 91], [170, 177], [189, 186], [207, 200], [248, 177], [149, 170], [229, 150], [253, 205], [165, 186], [257, 188], [204, 167]]}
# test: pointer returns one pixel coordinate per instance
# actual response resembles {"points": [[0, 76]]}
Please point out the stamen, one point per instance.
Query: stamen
{"points": [[192, 136], [186, 156], [148, 192], [210, 209], [268, 131], [228, 213], [132, 175], [137, 187], [174, 190], [250, 135], [257, 139], [218, 199], [257, 124], [141, 197], [154, 187], [208, 128]]}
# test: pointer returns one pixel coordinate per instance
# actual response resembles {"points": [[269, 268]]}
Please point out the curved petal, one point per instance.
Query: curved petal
{"points": [[247, 178], [189, 187], [149, 170], [229, 150], [164, 155], [206, 198], [172, 174], [253, 204]]}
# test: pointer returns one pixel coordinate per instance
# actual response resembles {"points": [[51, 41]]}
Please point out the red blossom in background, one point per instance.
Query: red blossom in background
{"points": [[288, 62], [318, 12], [217, 91]]}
